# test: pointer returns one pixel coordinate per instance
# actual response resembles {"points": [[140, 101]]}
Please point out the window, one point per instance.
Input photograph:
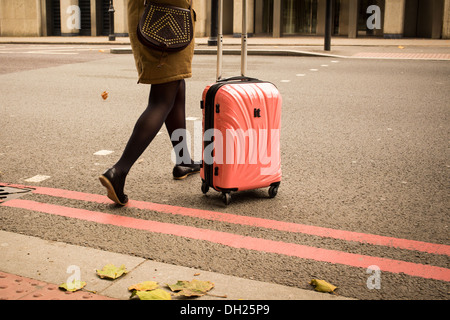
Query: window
{"points": [[299, 16]]}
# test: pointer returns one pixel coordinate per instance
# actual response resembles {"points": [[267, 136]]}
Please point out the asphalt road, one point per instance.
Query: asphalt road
{"points": [[364, 149]]}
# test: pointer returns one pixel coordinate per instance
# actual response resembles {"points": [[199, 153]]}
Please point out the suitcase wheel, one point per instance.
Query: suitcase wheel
{"points": [[205, 187], [226, 198], [273, 190]]}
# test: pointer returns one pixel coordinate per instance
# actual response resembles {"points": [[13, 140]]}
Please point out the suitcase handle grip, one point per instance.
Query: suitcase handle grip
{"points": [[241, 78]]}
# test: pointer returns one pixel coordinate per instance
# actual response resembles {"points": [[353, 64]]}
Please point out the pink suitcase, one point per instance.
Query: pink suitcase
{"points": [[241, 130]]}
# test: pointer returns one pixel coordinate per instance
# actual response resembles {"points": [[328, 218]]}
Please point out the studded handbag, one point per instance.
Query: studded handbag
{"points": [[164, 27]]}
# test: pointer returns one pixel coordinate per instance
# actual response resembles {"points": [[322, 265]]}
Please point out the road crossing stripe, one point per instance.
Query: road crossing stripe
{"points": [[254, 222], [239, 241]]}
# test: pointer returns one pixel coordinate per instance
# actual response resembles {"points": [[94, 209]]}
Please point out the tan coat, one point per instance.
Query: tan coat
{"points": [[175, 65]]}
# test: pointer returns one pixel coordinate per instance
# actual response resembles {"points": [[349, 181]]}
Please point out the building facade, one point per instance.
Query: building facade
{"points": [[273, 18]]}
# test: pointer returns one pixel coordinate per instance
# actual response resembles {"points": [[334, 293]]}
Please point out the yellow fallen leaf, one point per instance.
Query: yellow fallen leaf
{"points": [[194, 288], [158, 294], [322, 286], [401, 47], [75, 285], [144, 286], [110, 271]]}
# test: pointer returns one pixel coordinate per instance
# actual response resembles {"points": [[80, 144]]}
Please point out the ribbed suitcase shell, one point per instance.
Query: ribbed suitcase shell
{"points": [[246, 117]]}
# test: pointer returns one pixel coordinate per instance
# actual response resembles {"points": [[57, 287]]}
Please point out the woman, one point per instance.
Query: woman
{"points": [[166, 105]]}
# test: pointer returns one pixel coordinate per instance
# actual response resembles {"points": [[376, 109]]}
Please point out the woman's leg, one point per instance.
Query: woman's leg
{"points": [[176, 126], [161, 101]]}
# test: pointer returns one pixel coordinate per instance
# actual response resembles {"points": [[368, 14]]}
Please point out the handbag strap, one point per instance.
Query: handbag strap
{"points": [[190, 4]]}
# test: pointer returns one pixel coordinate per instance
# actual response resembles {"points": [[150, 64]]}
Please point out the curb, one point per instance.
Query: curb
{"points": [[250, 52], [297, 53], [267, 52]]}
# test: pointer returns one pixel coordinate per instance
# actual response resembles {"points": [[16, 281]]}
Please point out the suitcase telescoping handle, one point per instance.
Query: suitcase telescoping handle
{"points": [[243, 41]]}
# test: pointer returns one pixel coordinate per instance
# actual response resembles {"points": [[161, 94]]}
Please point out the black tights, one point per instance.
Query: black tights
{"points": [[166, 105]]}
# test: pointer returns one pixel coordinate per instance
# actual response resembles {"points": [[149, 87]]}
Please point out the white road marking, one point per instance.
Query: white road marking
{"points": [[37, 178], [48, 52], [40, 49], [38, 52], [103, 152]]}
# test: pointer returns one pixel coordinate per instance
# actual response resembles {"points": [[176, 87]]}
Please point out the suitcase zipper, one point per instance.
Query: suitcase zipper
{"points": [[209, 124]]}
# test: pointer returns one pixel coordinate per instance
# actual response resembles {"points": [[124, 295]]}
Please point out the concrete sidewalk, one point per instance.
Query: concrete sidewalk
{"points": [[341, 47], [32, 269]]}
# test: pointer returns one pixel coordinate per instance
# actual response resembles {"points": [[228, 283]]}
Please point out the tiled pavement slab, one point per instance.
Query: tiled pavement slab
{"points": [[13, 287]]}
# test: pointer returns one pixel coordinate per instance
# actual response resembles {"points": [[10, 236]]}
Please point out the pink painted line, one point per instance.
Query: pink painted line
{"points": [[238, 241], [403, 55], [256, 222]]}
